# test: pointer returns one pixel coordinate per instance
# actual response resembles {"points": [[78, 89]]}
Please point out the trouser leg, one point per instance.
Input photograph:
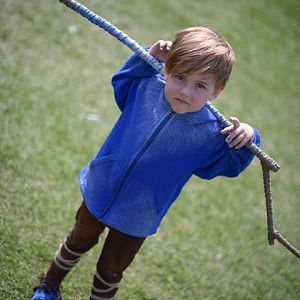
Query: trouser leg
{"points": [[82, 238], [117, 254]]}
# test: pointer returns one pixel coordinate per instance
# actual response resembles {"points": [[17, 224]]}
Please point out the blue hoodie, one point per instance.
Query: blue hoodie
{"points": [[151, 153]]}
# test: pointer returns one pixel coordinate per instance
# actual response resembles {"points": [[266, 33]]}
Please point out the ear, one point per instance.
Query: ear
{"points": [[164, 72], [216, 93]]}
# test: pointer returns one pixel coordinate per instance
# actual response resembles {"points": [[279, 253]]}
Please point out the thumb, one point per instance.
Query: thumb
{"points": [[235, 121]]}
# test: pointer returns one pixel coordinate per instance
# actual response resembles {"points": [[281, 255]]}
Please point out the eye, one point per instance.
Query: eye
{"points": [[179, 77], [200, 86]]}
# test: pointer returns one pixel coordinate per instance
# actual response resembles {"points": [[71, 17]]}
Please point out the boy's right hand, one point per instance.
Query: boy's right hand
{"points": [[160, 50], [239, 134]]}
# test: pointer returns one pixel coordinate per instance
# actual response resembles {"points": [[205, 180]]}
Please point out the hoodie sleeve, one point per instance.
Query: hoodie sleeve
{"points": [[227, 161], [128, 78]]}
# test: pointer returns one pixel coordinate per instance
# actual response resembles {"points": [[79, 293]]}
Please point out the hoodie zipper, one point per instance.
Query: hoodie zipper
{"points": [[134, 161]]}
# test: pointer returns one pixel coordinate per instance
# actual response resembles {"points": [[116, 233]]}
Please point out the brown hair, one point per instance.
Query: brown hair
{"points": [[201, 49]]}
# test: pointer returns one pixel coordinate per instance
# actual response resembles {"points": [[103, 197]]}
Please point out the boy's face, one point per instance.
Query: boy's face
{"points": [[189, 93]]}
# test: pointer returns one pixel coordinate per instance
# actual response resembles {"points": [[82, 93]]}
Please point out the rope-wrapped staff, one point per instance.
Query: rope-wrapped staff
{"points": [[268, 164]]}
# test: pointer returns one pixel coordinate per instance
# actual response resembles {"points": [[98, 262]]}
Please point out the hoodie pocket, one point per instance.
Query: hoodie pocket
{"points": [[97, 182]]}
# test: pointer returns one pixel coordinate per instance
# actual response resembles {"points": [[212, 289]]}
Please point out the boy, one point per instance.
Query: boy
{"points": [[164, 135]]}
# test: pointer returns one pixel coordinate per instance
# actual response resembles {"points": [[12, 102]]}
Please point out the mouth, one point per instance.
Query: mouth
{"points": [[181, 100]]}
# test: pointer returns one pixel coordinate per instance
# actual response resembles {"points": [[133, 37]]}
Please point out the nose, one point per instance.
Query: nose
{"points": [[186, 91]]}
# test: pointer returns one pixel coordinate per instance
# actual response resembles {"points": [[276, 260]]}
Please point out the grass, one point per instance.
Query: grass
{"points": [[212, 244]]}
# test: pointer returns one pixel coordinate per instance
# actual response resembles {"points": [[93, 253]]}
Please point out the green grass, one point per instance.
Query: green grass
{"points": [[212, 244]]}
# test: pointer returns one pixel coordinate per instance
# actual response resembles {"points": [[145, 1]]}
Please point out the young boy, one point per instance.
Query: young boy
{"points": [[165, 134]]}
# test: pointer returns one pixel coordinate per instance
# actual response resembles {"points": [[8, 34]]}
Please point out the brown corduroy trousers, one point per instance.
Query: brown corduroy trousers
{"points": [[117, 254]]}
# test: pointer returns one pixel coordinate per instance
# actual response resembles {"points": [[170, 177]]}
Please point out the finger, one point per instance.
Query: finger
{"points": [[227, 129], [238, 142], [235, 121], [168, 45], [239, 145], [233, 135], [160, 44]]}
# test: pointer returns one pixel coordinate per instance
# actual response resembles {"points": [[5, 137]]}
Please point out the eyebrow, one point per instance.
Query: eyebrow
{"points": [[201, 82], [204, 80]]}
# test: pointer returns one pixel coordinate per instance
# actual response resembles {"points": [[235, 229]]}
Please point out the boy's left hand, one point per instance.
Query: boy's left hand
{"points": [[239, 134], [160, 50]]}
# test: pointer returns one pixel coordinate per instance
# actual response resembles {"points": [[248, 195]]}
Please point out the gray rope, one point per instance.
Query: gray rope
{"points": [[267, 162]]}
